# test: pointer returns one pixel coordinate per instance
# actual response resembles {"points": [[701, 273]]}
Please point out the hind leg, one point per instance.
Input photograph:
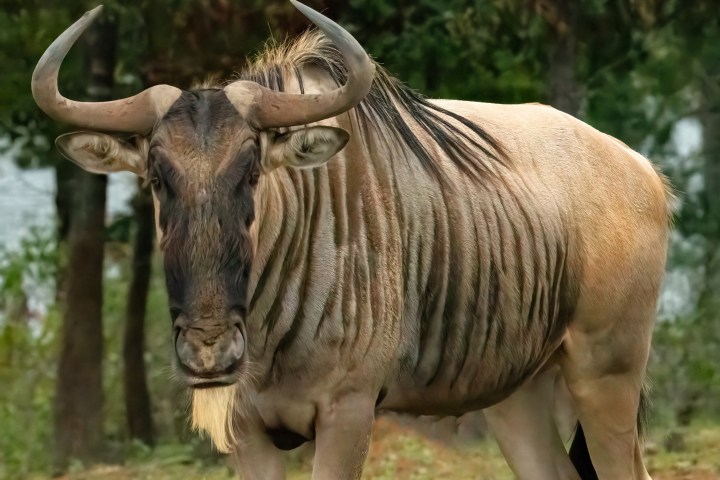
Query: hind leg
{"points": [[607, 342], [604, 366], [525, 428]]}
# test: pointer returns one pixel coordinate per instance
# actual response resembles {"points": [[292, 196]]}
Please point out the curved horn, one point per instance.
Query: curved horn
{"points": [[133, 114], [276, 109]]}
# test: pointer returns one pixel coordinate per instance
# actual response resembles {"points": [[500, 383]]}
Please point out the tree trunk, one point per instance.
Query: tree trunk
{"points": [[64, 178], [137, 397], [64, 172], [709, 301], [710, 121], [79, 396], [563, 90], [708, 322]]}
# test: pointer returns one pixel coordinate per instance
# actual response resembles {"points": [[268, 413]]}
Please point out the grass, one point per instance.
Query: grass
{"points": [[399, 452], [698, 460]]}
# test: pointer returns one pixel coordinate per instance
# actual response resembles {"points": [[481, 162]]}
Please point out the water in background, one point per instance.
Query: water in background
{"points": [[27, 202], [27, 199]]}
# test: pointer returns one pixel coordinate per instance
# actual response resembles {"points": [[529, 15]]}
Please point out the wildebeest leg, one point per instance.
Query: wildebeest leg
{"points": [[605, 369], [342, 437], [525, 429], [258, 459], [566, 416]]}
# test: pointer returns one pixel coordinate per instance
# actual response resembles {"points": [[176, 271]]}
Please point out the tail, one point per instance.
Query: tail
{"points": [[579, 454]]}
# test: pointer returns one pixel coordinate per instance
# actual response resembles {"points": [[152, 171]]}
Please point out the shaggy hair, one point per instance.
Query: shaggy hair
{"points": [[390, 103]]}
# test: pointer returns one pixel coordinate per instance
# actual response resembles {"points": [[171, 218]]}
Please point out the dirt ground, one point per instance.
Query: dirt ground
{"points": [[399, 452]]}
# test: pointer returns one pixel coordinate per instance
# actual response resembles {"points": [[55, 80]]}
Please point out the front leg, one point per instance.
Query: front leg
{"points": [[342, 430], [257, 458]]}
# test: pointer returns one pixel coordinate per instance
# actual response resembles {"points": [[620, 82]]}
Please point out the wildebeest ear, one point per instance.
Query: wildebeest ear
{"points": [[101, 153], [306, 148]]}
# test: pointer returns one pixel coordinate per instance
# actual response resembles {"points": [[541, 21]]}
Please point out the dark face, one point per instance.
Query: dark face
{"points": [[203, 161], [204, 166]]}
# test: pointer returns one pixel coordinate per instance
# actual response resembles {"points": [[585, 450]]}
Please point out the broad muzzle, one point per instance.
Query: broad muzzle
{"points": [[209, 350]]}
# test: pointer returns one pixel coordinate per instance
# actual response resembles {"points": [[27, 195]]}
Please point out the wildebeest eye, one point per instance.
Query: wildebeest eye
{"points": [[163, 176], [159, 184]]}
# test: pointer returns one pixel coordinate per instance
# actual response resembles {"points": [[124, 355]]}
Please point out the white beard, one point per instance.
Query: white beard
{"points": [[213, 414]]}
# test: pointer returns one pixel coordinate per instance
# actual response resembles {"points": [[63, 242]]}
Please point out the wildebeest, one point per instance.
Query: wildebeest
{"points": [[335, 244]]}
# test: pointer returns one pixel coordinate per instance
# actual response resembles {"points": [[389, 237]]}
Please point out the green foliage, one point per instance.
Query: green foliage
{"points": [[27, 348], [35, 263], [685, 369], [456, 49], [28, 351], [24, 33]]}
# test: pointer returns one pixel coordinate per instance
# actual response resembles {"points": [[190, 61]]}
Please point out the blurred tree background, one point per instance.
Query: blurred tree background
{"points": [[88, 379]]}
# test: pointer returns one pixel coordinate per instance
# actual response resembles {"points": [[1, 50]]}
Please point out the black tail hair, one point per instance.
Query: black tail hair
{"points": [[579, 454]]}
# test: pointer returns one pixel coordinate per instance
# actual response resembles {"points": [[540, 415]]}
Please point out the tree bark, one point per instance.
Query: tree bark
{"points": [[710, 121], [64, 189], [79, 395], [707, 323], [137, 396], [64, 172], [563, 88]]}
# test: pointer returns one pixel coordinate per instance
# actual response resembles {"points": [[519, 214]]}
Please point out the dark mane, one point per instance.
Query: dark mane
{"points": [[471, 149]]}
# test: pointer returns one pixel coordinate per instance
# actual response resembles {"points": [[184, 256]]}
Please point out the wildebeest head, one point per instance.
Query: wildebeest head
{"points": [[204, 152]]}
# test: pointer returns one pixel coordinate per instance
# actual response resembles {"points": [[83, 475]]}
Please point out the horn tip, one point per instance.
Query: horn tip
{"points": [[304, 9], [94, 12]]}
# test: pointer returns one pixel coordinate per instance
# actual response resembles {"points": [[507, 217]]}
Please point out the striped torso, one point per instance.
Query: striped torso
{"points": [[442, 292]]}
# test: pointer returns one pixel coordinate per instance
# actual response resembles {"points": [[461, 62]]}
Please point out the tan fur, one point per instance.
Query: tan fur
{"points": [[285, 54], [101, 153], [243, 96]]}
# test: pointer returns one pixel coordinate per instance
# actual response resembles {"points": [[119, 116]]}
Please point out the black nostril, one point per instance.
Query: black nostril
{"points": [[179, 321]]}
